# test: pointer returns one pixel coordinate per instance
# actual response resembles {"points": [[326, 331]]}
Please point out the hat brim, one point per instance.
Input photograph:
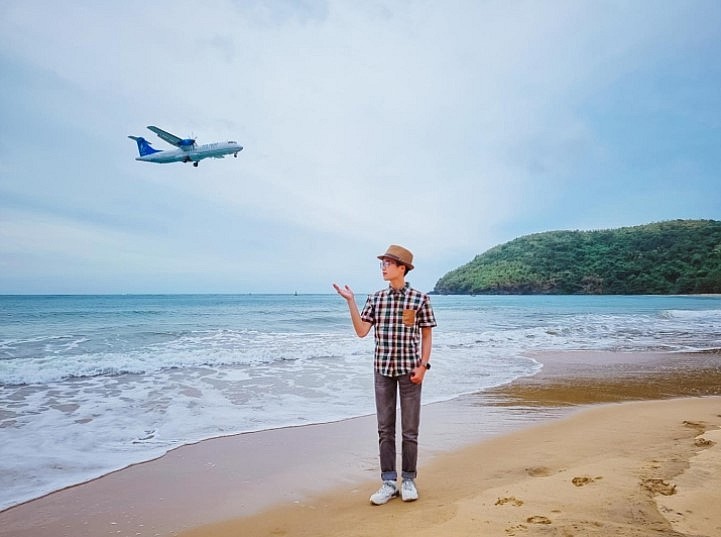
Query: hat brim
{"points": [[395, 258]]}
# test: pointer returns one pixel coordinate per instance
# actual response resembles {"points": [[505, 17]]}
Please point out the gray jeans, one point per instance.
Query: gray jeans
{"points": [[387, 390]]}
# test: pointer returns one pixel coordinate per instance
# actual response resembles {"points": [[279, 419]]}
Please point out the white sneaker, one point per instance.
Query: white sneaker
{"points": [[409, 493], [387, 491]]}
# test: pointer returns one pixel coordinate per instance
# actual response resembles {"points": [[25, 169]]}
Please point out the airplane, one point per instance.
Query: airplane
{"points": [[188, 150]]}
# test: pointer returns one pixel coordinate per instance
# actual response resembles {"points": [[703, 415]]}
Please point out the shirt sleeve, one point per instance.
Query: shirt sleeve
{"points": [[368, 312], [426, 318]]}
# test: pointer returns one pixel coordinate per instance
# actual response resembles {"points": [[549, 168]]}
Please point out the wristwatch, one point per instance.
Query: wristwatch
{"points": [[427, 365]]}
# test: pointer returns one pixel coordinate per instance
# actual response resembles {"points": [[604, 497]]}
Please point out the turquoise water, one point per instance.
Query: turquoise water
{"points": [[89, 384]]}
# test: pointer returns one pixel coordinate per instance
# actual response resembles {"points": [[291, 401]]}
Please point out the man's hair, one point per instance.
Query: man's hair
{"points": [[399, 264]]}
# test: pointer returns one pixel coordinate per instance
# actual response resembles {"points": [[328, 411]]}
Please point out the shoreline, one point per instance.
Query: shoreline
{"points": [[260, 476]]}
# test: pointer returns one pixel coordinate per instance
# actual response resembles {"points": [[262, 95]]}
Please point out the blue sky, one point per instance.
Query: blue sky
{"points": [[448, 127]]}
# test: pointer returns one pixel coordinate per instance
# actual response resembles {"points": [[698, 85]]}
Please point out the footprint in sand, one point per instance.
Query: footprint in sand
{"points": [[538, 519], [584, 480], [539, 471], [659, 486], [512, 500], [513, 529], [704, 443], [698, 425]]}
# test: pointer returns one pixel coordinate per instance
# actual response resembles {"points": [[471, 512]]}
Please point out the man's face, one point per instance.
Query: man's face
{"points": [[391, 269]]}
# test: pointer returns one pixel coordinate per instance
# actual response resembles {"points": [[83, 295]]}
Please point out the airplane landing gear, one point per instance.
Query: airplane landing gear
{"points": [[235, 155], [195, 164]]}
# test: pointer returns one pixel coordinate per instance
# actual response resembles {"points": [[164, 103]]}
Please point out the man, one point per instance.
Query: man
{"points": [[403, 319]]}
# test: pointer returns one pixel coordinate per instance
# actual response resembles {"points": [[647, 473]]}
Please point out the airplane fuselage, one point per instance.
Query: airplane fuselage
{"points": [[196, 154]]}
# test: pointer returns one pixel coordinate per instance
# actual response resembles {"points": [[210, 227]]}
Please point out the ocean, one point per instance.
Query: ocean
{"points": [[92, 384]]}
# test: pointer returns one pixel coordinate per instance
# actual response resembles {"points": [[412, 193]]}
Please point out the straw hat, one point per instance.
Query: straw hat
{"points": [[399, 254]]}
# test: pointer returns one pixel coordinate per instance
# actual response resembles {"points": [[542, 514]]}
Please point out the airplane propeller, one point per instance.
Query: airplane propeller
{"points": [[187, 142]]}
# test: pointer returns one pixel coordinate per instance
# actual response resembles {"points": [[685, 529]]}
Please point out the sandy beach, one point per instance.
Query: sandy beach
{"points": [[595, 444]]}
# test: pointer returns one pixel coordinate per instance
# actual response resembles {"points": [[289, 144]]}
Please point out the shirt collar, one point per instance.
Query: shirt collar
{"points": [[398, 292]]}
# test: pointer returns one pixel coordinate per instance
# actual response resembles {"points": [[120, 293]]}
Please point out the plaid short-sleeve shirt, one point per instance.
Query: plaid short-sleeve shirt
{"points": [[397, 317]]}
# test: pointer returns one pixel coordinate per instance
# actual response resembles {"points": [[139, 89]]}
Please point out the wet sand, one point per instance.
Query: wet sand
{"points": [[540, 456]]}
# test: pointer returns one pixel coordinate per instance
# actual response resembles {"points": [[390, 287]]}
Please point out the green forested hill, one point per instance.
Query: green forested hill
{"points": [[674, 257]]}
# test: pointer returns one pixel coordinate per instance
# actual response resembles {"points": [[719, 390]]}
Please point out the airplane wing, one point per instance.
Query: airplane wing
{"points": [[183, 143]]}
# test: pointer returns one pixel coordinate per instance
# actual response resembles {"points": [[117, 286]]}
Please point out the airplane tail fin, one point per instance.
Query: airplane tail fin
{"points": [[144, 147]]}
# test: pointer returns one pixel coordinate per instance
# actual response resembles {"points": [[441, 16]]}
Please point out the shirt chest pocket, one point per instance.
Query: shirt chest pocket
{"points": [[409, 317]]}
